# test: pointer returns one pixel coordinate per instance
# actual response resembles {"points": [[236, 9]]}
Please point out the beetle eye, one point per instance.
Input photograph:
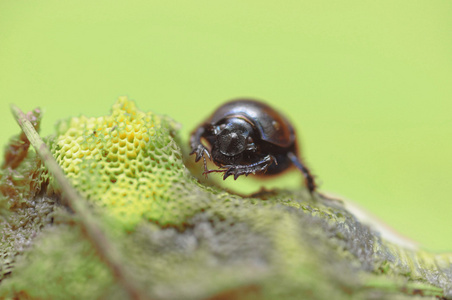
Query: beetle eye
{"points": [[250, 140]]}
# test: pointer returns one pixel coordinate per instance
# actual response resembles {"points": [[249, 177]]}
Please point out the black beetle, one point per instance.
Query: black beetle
{"points": [[247, 136]]}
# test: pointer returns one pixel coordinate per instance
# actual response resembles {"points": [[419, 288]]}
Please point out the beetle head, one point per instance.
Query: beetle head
{"points": [[232, 137]]}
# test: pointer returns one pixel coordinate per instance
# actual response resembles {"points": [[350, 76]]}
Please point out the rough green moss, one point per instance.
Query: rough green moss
{"points": [[179, 239], [63, 248]]}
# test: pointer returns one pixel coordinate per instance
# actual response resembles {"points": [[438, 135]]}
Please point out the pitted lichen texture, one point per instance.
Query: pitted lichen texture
{"points": [[126, 161]]}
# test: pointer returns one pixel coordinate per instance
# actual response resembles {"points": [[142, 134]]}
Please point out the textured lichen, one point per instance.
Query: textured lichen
{"points": [[127, 162], [179, 239]]}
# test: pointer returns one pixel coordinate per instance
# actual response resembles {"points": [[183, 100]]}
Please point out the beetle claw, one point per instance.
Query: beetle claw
{"points": [[230, 170]]}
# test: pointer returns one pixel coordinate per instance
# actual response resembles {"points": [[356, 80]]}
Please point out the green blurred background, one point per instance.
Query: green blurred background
{"points": [[368, 84]]}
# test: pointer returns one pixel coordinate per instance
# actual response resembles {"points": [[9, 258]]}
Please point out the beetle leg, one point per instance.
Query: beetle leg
{"points": [[308, 178], [259, 166], [197, 147]]}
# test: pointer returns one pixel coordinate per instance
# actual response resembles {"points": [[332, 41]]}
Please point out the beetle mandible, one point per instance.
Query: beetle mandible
{"points": [[247, 136]]}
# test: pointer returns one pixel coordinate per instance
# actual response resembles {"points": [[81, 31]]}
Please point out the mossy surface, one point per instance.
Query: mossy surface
{"points": [[179, 239]]}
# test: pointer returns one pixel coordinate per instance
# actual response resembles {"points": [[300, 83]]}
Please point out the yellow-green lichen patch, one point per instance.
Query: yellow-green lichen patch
{"points": [[126, 162]]}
